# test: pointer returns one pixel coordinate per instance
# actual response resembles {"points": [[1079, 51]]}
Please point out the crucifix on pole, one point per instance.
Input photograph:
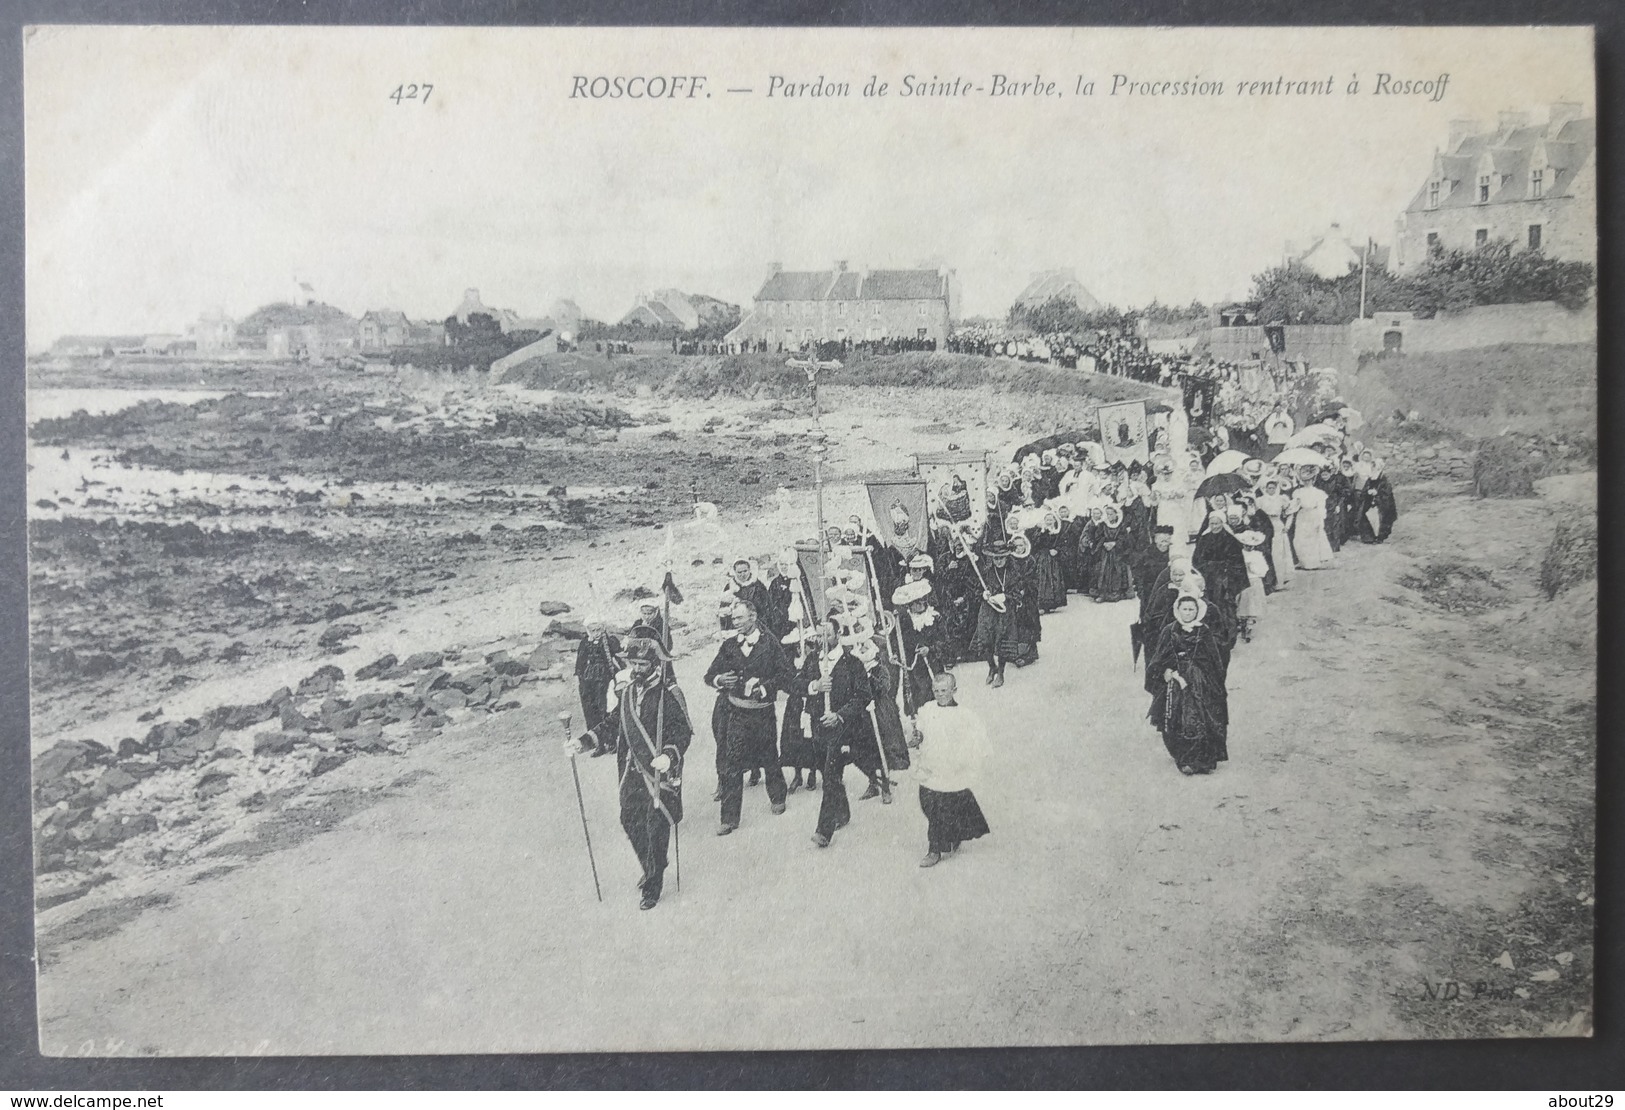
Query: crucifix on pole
{"points": [[812, 366]]}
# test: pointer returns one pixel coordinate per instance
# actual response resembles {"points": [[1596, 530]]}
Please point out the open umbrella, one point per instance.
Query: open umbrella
{"points": [[1352, 418], [1046, 443], [1316, 433], [1222, 484], [1227, 462], [1300, 456]]}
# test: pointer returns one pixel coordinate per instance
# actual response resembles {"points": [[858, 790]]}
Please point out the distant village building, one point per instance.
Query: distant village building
{"points": [[95, 346], [1332, 253], [1533, 184], [161, 344], [425, 333], [664, 308], [564, 316], [311, 341], [796, 306], [1238, 314], [472, 305], [1046, 285], [383, 329], [214, 332]]}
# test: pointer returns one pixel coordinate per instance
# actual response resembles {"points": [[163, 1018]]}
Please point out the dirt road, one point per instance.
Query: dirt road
{"points": [[1388, 821]]}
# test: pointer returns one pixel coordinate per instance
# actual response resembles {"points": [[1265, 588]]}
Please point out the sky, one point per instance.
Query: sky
{"points": [[173, 170]]}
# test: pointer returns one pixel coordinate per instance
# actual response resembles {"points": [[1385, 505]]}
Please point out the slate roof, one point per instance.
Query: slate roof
{"points": [[851, 285], [1510, 155], [796, 285], [1053, 283], [900, 285]]}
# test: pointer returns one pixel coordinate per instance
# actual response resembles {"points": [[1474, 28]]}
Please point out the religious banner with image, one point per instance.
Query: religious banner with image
{"points": [[955, 485], [900, 512], [810, 565], [1123, 432]]}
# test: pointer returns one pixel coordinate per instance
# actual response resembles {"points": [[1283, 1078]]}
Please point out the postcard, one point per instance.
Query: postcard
{"points": [[621, 539]]}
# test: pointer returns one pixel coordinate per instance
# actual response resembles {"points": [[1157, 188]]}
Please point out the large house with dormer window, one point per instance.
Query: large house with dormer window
{"points": [[1533, 184], [796, 307]]}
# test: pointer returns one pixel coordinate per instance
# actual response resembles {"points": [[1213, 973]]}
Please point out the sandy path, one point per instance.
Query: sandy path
{"points": [[1114, 902]]}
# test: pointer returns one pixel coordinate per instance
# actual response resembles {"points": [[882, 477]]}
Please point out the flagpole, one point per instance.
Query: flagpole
{"points": [[1364, 256]]}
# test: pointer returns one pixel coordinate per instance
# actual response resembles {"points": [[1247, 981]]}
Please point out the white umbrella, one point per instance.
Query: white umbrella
{"points": [[1227, 462], [1352, 417], [1300, 456], [1316, 433]]}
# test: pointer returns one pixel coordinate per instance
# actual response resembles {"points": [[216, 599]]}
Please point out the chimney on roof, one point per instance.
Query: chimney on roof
{"points": [[1460, 131], [775, 267], [1510, 121], [840, 266], [1562, 112]]}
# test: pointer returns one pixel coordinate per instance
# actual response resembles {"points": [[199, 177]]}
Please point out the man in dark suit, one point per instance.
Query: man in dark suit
{"points": [[749, 670], [650, 731], [596, 664], [776, 616], [838, 697]]}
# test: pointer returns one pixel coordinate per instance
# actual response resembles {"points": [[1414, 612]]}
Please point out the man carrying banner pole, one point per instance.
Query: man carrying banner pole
{"points": [[651, 732]]}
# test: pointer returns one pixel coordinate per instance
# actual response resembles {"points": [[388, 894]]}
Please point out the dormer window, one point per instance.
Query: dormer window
{"points": [[1433, 194], [1537, 184], [1484, 188]]}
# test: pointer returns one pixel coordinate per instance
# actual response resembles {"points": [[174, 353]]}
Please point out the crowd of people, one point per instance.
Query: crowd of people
{"points": [[855, 663]]}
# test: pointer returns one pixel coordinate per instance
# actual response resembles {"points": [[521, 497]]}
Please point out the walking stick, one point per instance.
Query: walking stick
{"points": [[880, 743], [564, 719], [660, 739]]}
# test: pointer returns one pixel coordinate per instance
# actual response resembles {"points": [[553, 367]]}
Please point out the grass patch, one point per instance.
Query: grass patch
{"points": [[1457, 587], [767, 377], [1528, 388], [1571, 557]]}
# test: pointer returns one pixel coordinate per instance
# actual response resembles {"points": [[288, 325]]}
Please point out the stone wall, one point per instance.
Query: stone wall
{"points": [[1318, 344], [1481, 326]]}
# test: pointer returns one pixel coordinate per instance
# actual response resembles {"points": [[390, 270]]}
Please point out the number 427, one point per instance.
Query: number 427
{"points": [[411, 92]]}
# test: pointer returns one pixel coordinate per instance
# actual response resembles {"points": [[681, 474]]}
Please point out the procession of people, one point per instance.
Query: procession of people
{"points": [[819, 660]]}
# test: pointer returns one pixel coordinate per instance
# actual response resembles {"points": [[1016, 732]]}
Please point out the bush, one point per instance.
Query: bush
{"points": [[1493, 273], [1503, 469], [1572, 556]]}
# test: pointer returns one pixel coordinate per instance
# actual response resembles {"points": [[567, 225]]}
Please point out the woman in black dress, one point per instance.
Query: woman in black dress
{"points": [[1185, 676], [1114, 580]]}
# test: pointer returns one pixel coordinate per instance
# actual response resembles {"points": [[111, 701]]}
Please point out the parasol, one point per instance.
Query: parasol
{"points": [[1047, 443], [1227, 462], [1223, 485], [1352, 418], [1316, 433], [1300, 456]]}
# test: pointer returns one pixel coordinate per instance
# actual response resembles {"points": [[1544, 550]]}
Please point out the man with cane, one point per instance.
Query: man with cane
{"points": [[651, 731]]}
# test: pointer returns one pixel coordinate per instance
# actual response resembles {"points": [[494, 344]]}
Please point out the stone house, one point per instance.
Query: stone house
{"points": [[1533, 184], [797, 306]]}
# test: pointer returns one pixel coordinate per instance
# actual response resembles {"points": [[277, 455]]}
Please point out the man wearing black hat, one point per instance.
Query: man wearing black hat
{"points": [[596, 664], [651, 732]]}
